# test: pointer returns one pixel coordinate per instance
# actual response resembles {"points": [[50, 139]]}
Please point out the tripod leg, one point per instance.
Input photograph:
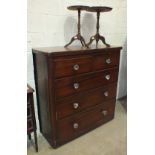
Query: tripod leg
{"points": [[103, 40], [35, 139], [82, 42], [97, 43], [91, 40], [29, 135], [72, 39], [85, 45]]}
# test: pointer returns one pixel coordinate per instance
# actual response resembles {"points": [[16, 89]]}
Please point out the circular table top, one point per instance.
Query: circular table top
{"points": [[99, 9], [77, 7]]}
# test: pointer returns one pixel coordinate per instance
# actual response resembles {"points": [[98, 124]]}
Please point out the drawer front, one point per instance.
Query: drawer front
{"points": [[68, 86], [28, 99], [30, 125], [29, 111], [108, 60], [72, 66], [77, 103], [76, 125]]}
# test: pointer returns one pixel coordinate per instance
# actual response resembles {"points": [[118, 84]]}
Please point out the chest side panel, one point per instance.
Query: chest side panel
{"points": [[41, 82]]}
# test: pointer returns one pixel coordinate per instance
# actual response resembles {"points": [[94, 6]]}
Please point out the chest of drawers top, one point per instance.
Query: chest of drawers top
{"points": [[61, 51], [76, 89]]}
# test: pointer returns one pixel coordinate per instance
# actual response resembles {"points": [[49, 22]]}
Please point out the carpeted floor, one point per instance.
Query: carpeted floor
{"points": [[108, 139]]}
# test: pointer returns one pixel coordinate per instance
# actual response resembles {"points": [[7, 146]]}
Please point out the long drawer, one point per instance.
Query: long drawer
{"points": [[78, 124], [82, 101], [71, 85], [69, 66]]}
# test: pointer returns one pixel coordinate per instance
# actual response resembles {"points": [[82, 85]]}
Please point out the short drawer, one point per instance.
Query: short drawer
{"points": [[76, 125], [82, 101], [72, 85], [106, 60], [72, 66]]}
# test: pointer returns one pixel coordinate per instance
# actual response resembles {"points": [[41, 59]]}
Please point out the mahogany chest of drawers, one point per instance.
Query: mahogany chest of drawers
{"points": [[76, 90]]}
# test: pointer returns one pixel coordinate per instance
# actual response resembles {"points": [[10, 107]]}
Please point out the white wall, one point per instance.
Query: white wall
{"points": [[51, 24]]}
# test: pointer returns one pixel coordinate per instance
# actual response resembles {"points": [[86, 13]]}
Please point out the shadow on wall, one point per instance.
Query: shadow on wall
{"points": [[88, 26], [122, 79], [125, 46], [70, 29], [88, 23]]}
